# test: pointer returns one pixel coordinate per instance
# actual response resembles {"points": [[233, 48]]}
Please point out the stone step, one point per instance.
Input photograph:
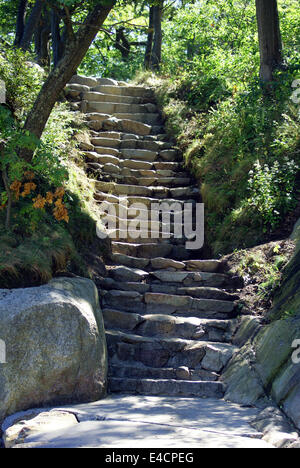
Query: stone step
{"points": [[131, 262], [183, 305], [134, 91], [117, 142], [109, 284], [151, 192], [192, 279], [199, 292], [158, 181], [106, 142], [114, 159], [158, 303], [138, 371], [112, 108], [101, 97], [142, 288], [149, 250], [153, 119], [167, 387], [155, 192], [113, 135], [84, 80], [146, 229], [140, 155], [146, 145], [116, 170], [208, 266], [120, 189], [107, 151], [165, 206], [161, 325], [144, 237], [140, 250], [127, 126], [168, 352], [123, 273]]}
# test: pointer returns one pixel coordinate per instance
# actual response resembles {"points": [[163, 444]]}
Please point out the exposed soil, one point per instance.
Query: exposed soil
{"points": [[262, 270]]}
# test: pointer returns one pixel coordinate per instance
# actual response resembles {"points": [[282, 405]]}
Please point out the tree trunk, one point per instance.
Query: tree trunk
{"points": [[20, 26], [32, 24], [122, 44], [74, 53], [57, 42], [155, 60], [41, 39], [150, 38], [269, 38]]}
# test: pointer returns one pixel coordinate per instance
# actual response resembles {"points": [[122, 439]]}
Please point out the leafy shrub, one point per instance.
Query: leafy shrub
{"points": [[272, 190]]}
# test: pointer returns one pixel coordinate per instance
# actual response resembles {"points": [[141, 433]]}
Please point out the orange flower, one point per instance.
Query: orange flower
{"points": [[60, 212], [29, 175], [49, 198], [39, 202], [59, 203], [28, 187], [16, 187], [59, 192]]}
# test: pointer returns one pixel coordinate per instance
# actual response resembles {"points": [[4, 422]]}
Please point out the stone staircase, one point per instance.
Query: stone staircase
{"points": [[169, 318]]}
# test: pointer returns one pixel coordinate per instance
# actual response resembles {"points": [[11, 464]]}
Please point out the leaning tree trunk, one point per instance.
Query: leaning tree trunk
{"points": [[155, 60], [32, 24], [20, 26], [75, 50], [150, 38], [269, 38]]}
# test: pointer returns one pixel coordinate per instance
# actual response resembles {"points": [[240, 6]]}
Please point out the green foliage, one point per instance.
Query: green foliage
{"points": [[103, 58], [225, 122], [48, 201], [25, 261], [272, 190], [23, 79]]}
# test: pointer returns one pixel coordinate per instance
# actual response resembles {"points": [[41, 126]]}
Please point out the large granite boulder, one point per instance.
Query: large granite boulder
{"points": [[55, 345], [267, 366]]}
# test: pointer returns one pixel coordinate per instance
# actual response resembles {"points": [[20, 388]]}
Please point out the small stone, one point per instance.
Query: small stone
{"points": [[183, 373]]}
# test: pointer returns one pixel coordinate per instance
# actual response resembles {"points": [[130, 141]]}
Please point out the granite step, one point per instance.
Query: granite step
{"points": [[102, 97], [162, 325], [130, 371], [168, 352], [134, 91], [166, 387]]}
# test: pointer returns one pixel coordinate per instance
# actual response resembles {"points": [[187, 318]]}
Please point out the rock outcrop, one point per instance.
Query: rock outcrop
{"points": [[55, 345]]}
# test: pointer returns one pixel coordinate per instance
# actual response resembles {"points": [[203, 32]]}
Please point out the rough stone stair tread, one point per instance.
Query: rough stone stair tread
{"points": [[167, 387], [216, 323], [113, 98], [123, 369], [169, 326], [181, 342]]}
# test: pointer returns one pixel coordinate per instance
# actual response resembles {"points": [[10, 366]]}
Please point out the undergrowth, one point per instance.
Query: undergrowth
{"points": [[244, 151], [47, 212]]}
